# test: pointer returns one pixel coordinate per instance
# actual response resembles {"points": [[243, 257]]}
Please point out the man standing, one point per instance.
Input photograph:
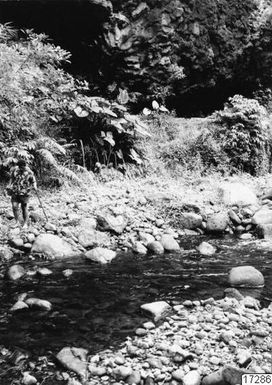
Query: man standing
{"points": [[22, 181]]}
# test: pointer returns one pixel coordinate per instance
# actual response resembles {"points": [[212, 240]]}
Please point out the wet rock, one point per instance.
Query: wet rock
{"points": [[155, 247], [52, 246], [234, 217], [265, 231], [206, 248], [67, 273], [18, 243], [245, 276], [28, 379], [16, 272], [74, 359], [169, 243], [115, 224], [18, 306], [217, 223], [39, 303], [237, 194], [93, 238], [100, 255], [157, 310], [190, 221], [44, 271], [139, 248]]}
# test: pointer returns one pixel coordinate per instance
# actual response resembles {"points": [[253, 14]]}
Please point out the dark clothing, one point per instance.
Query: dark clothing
{"points": [[23, 199], [22, 181]]}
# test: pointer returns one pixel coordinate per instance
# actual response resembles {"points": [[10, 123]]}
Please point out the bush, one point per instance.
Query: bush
{"points": [[239, 137]]}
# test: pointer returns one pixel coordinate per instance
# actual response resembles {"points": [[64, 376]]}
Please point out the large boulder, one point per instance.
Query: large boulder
{"points": [[217, 222], [190, 221], [114, 224], [245, 276], [52, 246], [237, 194], [101, 255], [89, 237]]}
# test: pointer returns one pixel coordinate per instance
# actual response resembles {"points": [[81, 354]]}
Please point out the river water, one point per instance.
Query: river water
{"points": [[99, 306]]}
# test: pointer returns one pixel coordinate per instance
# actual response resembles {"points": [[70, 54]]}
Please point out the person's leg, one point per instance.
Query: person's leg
{"points": [[15, 209], [24, 204]]}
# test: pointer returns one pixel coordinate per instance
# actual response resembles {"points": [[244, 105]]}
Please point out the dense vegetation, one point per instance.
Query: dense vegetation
{"points": [[48, 117]]}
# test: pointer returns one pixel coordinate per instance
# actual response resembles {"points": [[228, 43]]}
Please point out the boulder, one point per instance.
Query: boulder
{"points": [[101, 255], [231, 292], [146, 238], [206, 248], [245, 276], [139, 248], [190, 221], [114, 224], [237, 194], [52, 246], [169, 243], [157, 310], [217, 222], [18, 306], [16, 272], [39, 303], [93, 238], [74, 359], [88, 223], [262, 216], [233, 376], [215, 378], [265, 231], [155, 247]]}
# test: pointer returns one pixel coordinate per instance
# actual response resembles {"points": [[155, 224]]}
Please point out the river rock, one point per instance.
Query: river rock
{"points": [[155, 247], [206, 248], [157, 310], [16, 242], [44, 271], [19, 305], [134, 378], [139, 248], [122, 372], [237, 194], [233, 376], [192, 378], [39, 303], [169, 243], [50, 227], [5, 253], [190, 221], [265, 231], [88, 223], [74, 359], [16, 272], [262, 216], [28, 379], [93, 238], [115, 224], [146, 238], [178, 375], [215, 378], [52, 246], [101, 255], [231, 292], [217, 222], [245, 276]]}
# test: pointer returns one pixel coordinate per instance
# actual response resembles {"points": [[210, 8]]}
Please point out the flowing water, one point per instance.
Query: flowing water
{"points": [[98, 306]]}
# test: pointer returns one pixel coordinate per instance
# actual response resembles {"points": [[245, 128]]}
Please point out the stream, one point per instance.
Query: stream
{"points": [[99, 306]]}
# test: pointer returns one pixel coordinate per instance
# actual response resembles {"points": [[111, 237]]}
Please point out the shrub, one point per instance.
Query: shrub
{"points": [[240, 136]]}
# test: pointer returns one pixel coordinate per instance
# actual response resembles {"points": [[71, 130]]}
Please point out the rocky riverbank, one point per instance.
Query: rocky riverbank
{"points": [[142, 215], [193, 339]]}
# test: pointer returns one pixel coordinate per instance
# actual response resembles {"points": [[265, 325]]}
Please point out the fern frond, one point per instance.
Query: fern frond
{"points": [[47, 158], [51, 145]]}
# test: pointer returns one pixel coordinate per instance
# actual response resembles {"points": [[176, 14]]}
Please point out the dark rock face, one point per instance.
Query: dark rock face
{"points": [[193, 54]]}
